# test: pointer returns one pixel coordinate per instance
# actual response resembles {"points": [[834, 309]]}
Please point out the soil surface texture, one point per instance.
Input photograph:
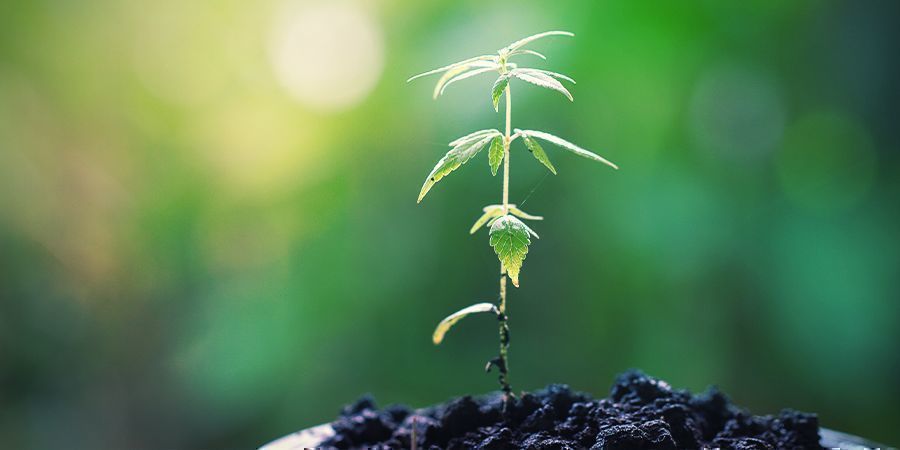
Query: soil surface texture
{"points": [[640, 412]]}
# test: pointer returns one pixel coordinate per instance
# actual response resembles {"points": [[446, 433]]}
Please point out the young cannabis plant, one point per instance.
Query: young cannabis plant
{"points": [[509, 236]]}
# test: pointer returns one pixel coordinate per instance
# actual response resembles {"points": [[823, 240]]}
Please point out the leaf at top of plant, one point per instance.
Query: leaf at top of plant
{"points": [[510, 238], [521, 42], [549, 73], [456, 157], [463, 76], [538, 153], [566, 145], [451, 320], [495, 154], [497, 90], [490, 212], [542, 80], [456, 64], [519, 213], [528, 52], [450, 73]]}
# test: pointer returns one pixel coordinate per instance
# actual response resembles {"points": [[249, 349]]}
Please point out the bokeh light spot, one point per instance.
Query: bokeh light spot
{"points": [[737, 112], [328, 56], [257, 149]]}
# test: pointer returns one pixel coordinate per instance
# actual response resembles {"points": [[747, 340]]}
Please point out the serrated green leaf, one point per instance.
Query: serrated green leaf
{"points": [[519, 213], [452, 319], [456, 157], [566, 145], [538, 153], [542, 80], [521, 42], [497, 90], [490, 212], [510, 238], [495, 154]]}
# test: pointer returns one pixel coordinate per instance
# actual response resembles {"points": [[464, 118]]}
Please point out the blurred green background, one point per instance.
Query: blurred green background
{"points": [[209, 235]]}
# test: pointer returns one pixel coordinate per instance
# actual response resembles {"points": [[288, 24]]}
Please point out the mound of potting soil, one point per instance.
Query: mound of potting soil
{"points": [[640, 413]]}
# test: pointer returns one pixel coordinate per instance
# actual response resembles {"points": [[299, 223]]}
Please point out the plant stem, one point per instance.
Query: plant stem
{"points": [[506, 152], [503, 365]]}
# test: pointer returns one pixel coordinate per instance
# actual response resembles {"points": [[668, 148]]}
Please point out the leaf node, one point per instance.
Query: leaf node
{"points": [[463, 150]]}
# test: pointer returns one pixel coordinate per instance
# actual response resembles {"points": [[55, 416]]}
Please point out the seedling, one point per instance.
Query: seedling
{"points": [[509, 236]]}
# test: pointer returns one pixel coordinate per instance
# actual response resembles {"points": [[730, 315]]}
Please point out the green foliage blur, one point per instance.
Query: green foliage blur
{"points": [[209, 236]]}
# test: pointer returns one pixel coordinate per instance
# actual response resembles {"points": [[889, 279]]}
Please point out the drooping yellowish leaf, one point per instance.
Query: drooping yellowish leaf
{"points": [[519, 213], [451, 320], [490, 212]]}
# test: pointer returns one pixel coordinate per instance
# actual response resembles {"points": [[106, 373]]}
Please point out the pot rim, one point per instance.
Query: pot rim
{"points": [[314, 436]]}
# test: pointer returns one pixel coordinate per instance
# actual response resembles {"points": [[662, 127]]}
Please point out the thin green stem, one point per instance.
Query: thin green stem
{"points": [[506, 143], [503, 364]]}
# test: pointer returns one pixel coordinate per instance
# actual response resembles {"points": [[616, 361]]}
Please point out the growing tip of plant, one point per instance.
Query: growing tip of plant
{"points": [[521, 42]]}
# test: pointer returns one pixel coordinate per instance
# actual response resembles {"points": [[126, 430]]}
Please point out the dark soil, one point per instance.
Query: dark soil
{"points": [[640, 413]]}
